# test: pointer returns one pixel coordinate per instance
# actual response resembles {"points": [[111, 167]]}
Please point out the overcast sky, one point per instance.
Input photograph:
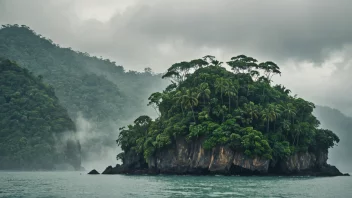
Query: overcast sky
{"points": [[311, 40]]}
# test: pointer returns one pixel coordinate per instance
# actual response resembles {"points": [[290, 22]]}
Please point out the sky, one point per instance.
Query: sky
{"points": [[310, 40]]}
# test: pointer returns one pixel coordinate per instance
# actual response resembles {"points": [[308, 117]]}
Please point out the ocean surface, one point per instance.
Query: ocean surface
{"points": [[79, 184]]}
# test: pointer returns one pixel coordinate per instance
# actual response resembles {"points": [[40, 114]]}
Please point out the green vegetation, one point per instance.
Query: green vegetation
{"points": [[240, 109], [32, 122], [102, 92]]}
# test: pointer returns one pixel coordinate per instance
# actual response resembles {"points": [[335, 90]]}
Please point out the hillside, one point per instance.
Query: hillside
{"points": [[214, 120], [334, 120], [33, 123], [104, 94]]}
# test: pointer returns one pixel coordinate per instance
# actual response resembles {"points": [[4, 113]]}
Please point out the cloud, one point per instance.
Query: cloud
{"points": [[310, 40]]}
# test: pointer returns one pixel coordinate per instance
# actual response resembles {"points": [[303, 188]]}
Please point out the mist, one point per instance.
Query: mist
{"points": [[98, 147]]}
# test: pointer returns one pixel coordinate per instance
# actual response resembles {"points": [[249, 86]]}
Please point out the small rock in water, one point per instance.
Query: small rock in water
{"points": [[93, 172], [108, 170]]}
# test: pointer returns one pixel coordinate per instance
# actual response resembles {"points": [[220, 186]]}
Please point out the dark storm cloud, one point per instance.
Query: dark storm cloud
{"points": [[157, 33], [276, 29]]}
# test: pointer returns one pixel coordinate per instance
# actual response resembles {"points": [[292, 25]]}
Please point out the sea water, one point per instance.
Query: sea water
{"points": [[79, 184]]}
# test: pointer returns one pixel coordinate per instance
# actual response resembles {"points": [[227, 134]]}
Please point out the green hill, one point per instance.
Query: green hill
{"points": [[33, 123], [102, 92]]}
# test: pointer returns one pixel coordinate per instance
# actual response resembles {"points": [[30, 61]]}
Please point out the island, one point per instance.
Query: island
{"points": [[227, 119]]}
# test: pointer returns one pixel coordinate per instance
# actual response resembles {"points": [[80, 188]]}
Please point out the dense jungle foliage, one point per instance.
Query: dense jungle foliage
{"points": [[31, 119], [240, 109], [102, 92]]}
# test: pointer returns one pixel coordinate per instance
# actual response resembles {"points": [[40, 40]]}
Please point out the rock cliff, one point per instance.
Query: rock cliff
{"points": [[191, 158]]}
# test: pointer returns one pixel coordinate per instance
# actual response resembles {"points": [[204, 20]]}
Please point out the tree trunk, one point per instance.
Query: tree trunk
{"points": [[222, 100], [229, 103], [237, 101], [294, 139], [156, 110], [193, 114], [182, 110], [297, 139], [267, 128]]}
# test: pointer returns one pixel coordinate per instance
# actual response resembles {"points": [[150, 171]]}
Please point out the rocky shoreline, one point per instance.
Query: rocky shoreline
{"points": [[192, 159]]}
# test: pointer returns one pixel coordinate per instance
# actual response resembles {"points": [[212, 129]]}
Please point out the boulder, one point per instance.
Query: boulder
{"points": [[93, 172]]}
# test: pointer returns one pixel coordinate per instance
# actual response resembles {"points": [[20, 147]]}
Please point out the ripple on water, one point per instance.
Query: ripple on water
{"points": [[74, 184]]}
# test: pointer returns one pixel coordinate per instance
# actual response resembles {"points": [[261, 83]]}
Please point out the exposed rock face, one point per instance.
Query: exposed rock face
{"points": [[298, 162], [191, 158], [303, 161]]}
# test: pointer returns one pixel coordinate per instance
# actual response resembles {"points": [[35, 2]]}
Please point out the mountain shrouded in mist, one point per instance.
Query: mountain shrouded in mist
{"points": [[97, 89], [334, 120], [32, 123]]}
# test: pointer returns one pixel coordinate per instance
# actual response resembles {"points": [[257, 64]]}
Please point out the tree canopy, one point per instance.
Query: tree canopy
{"points": [[32, 122], [238, 108]]}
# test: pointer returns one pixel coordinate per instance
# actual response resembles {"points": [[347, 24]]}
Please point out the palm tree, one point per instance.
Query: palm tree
{"points": [[220, 85], [290, 111], [180, 96], [286, 126], [251, 110], [190, 101], [236, 87], [204, 91], [229, 92], [276, 111], [268, 116]]}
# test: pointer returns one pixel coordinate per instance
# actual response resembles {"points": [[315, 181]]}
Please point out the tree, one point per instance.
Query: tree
{"points": [[276, 111], [220, 85], [251, 110], [148, 70], [230, 91], [242, 63], [190, 101], [290, 111], [181, 97], [211, 60], [270, 69], [268, 116], [204, 92], [155, 100]]}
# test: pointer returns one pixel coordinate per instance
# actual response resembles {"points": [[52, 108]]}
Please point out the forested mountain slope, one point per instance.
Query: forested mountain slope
{"points": [[32, 123], [102, 92], [333, 119]]}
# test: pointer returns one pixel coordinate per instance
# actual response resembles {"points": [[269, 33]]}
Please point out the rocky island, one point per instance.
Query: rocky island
{"points": [[215, 121]]}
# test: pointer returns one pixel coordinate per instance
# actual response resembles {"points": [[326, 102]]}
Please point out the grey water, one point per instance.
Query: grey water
{"points": [[79, 184]]}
